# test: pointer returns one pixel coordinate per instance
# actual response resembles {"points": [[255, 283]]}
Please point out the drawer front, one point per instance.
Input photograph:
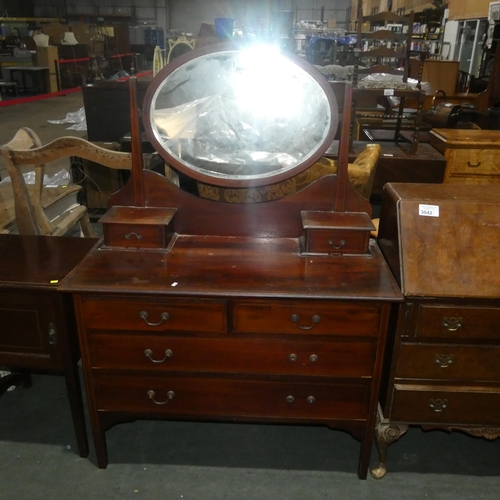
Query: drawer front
{"points": [[307, 317], [442, 321], [445, 362], [338, 242], [446, 405], [226, 355], [155, 315], [231, 397], [134, 236], [474, 162]]}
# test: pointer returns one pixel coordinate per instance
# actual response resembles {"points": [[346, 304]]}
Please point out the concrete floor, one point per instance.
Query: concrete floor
{"points": [[204, 461]]}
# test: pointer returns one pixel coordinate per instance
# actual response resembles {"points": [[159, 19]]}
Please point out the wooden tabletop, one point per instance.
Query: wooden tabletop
{"points": [[464, 138], [39, 261]]}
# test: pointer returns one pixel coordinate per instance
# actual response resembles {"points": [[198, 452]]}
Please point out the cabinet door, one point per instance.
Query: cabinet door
{"points": [[28, 336]]}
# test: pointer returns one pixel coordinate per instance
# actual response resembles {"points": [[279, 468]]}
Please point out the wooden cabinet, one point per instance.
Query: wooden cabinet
{"points": [[38, 325], [441, 242], [472, 155]]}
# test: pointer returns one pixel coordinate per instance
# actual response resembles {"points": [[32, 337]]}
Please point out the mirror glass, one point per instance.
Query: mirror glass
{"points": [[241, 114]]}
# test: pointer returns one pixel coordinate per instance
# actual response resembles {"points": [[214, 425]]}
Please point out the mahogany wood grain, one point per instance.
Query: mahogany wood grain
{"points": [[38, 325]]}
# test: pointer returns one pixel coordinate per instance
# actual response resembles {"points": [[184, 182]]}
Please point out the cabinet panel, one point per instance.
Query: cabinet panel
{"points": [[318, 318], [155, 315], [340, 359], [231, 397]]}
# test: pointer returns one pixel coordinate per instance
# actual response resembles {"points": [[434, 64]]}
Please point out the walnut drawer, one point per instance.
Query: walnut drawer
{"points": [[233, 397], [155, 314], [446, 404], [443, 321], [447, 362], [230, 355], [299, 317], [337, 241], [474, 162]]}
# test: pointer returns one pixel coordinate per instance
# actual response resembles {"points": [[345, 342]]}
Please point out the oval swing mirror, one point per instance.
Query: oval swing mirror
{"points": [[240, 117]]}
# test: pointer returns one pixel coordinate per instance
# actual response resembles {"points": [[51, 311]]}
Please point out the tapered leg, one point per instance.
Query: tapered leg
{"points": [[101, 449]]}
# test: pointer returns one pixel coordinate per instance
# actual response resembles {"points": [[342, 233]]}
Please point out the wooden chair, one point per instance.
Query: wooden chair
{"points": [[386, 51], [33, 202]]}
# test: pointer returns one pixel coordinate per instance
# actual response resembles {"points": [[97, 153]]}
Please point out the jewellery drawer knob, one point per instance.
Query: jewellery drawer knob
{"points": [[452, 324], [313, 358], [163, 317], [149, 354], [152, 394], [337, 247], [438, 405], [290, 399], [311, 399], [296, 318], [293, 357], [444, 360]]}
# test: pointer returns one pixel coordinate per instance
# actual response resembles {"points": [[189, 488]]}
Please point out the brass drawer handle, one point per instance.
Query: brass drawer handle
{"points": [[311, 399], [315, 319], [337, 247], [144, 315], [313, 358], [452, 324], [438, 405], [474, 165], [293, 357], [444, 360], [137, 235], [152, 394], [149, 354], [290, 399]]}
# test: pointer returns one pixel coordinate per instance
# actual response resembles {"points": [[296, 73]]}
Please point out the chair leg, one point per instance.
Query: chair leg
{"points": [[86, 227]]}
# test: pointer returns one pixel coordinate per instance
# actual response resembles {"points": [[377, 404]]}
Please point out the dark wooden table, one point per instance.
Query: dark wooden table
{"points": [[37, 74], [396, 164], [38, 327]]}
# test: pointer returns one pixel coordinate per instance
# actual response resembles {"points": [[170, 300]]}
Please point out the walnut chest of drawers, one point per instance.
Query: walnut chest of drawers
{"points": [[442, 244], [193, 334], [472, 156]]}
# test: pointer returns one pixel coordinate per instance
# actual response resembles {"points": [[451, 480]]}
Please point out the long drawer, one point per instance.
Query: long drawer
{"points": [[298, 317], [446, 404], [191, 396], [441, 321], [152, 315], [233, 355], [449, 362], [474, 162]]}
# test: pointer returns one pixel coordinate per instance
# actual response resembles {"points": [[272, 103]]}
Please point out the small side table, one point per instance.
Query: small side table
{"points": [[8, 86], [38, 325]]}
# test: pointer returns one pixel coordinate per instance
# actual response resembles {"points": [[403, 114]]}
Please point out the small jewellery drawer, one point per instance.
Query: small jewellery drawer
{"points": [[335, 241], [226, 355], [306, 317], [446, 405], [472, 162], [191, 396], [445, 362], [443, 321], [155, 315]]}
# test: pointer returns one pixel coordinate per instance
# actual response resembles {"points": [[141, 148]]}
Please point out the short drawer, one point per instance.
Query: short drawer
{"points": [[446, 405], [474, 162], [155, 315], [337, 241], [445, 362], [226, 355], [443, 321], [231, 397], [306, 317]]}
